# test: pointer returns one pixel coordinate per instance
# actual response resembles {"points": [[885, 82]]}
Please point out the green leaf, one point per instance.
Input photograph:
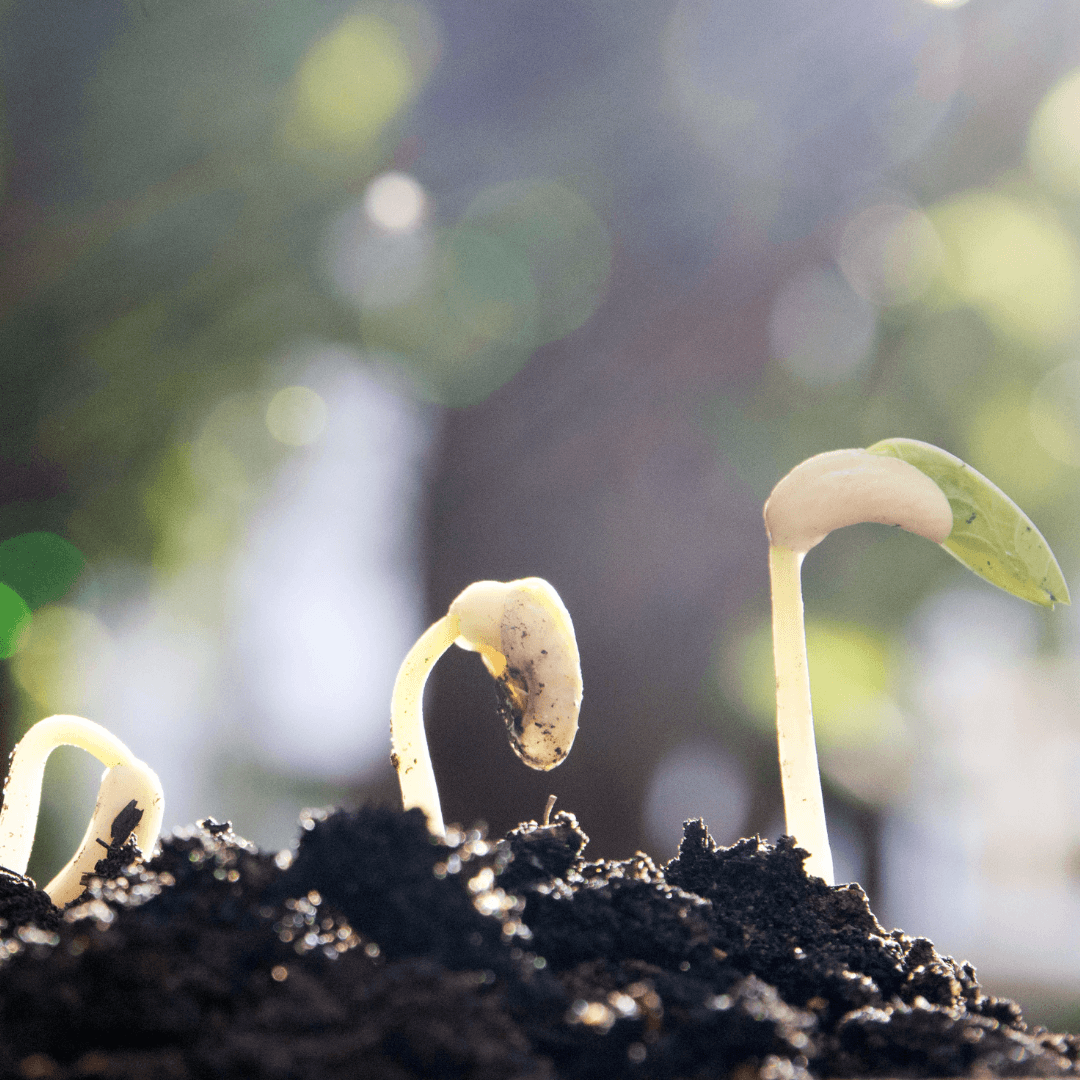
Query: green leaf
{"points": [[991, 535]]}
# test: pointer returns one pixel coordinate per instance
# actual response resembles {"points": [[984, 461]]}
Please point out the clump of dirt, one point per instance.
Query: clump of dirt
{"points": [[374, 951]]}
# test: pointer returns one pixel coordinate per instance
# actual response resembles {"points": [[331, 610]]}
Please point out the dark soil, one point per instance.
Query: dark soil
{"points": [[375, 952]]}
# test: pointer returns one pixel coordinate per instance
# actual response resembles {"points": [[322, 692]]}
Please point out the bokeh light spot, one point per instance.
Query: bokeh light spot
{"points": [[14, 619], [472, 327], [296, 416], [889, 253], [804, 107], [848, 672], [1054, 137], [1001, 444], [567, 246], [231, 454], [1015, 263], [1055, 413], [395, 202], [819, 329], [946, 3], [202, 491], [862, 737], [215, 467], [373, 266], [62, 658], [40, 566], [527, 265], [350, 84]]}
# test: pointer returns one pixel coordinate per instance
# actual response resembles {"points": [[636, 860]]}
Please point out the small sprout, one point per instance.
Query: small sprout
{"points": [[130, 800], [902, 482], [525, 637]]}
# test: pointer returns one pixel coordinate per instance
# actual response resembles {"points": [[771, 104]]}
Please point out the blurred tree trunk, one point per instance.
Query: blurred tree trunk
{"points": [[595, 468]]}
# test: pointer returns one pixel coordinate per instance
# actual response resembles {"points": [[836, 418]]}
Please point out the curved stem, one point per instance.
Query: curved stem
{"points": [[22, 789], [408, 741], [120, 785], [804, 808]]}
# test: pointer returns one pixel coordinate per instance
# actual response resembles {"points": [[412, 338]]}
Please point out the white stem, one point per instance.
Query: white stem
{"points": [[126, 778], [119, 786], [408, 741], [804, 808], [22, 789]]}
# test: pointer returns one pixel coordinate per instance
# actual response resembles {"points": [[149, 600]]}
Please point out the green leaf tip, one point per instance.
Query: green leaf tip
{"points": [[991, 535]]}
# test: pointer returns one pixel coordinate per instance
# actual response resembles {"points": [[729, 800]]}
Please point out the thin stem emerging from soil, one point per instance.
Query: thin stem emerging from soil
{"points": [[409, 746], [525, 637], [126, 779], [804, 808]]}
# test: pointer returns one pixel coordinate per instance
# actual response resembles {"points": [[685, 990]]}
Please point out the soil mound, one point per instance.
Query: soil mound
{"points": [[373, 951]]}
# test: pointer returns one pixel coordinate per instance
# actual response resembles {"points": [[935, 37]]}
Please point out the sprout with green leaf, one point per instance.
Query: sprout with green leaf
{"points": [[917, 487], [525, 636]]}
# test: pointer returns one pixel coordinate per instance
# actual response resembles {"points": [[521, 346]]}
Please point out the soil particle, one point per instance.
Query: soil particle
{"points": [[23, 903], [374, 951]]}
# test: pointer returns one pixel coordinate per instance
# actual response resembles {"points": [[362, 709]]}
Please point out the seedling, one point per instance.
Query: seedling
{"points": [[903, 482], [525, 637], [126, 780]]}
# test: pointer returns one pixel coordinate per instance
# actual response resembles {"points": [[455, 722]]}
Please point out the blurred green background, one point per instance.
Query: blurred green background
{"points": [[312, 312]]}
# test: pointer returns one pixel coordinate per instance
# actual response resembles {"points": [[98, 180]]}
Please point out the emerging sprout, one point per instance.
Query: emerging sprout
{"points": [[903, 482], [524, 635], [126, 780]]}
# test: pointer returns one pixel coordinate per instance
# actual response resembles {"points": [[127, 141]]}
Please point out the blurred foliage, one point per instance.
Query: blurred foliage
{"points": [[39, 566], [218, 143], [980, 359], [148, 292], [887, 200], [61, 658], [14, 618], [216, 147], [1014, 261], [526, 265], [35, 568]]}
